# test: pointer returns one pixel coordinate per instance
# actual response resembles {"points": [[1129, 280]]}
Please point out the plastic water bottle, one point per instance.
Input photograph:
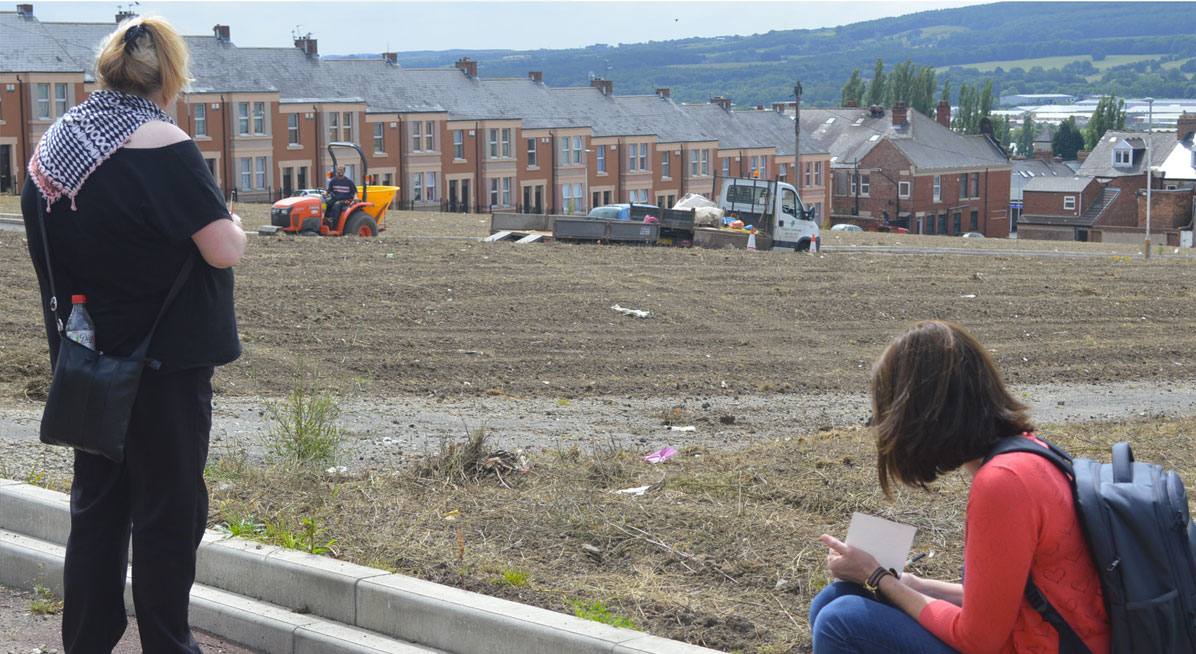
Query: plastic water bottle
{"points": [[79, 327]]}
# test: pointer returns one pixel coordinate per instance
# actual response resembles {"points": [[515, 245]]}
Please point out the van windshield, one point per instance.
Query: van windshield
{"points": [[747, 194]]}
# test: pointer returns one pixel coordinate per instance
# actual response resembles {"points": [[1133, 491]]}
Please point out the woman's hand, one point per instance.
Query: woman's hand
{"points": [[848, 563]]}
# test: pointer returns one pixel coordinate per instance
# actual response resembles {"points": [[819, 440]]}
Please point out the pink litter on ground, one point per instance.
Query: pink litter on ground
{"points": [[661, 455]]}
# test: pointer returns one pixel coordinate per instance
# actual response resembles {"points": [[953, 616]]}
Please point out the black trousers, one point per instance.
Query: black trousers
{"points": [[158, 496]]}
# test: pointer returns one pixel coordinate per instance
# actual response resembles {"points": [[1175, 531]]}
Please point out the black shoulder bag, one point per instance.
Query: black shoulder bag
{"points": [[91, 393]]}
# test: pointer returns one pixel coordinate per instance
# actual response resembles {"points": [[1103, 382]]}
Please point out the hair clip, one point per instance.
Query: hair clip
{"points": [[133, 33]]}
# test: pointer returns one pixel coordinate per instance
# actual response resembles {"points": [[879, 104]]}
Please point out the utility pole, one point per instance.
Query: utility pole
{"points": [[797, 136]]}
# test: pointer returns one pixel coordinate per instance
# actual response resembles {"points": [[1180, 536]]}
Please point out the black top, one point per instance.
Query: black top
{"points": [[342, 188], [123, 248]]}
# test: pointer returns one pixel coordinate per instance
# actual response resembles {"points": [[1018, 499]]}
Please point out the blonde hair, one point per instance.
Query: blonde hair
{"points": [[146, 57]]}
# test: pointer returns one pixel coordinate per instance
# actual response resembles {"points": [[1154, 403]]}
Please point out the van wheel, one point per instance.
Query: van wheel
{"points": [[361, 224]]}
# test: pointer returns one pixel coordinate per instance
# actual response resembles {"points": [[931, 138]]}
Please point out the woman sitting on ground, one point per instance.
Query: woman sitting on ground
{"points": [[939, 403]]}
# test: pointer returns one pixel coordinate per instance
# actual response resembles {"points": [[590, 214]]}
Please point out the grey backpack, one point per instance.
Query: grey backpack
{"points": [[1143, 543]]}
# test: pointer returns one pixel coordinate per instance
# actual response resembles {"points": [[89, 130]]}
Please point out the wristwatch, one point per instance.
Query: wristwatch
{"points": [[872, 585]]}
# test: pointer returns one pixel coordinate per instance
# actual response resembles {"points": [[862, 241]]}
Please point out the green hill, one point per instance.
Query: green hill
{"points": [[1130, 48]]}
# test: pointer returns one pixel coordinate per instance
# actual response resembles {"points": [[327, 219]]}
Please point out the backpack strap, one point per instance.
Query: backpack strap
{"points": [[1069, 641]]}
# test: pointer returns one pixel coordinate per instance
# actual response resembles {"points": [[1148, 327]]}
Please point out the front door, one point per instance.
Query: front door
{"points": [[465, 196], [539, 197], [452, 198], [527, 200], [6, 181], [286, 182]]}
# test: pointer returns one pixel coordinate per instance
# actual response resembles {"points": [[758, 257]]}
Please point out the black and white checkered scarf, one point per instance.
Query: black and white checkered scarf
{"points": [[84, 138]]}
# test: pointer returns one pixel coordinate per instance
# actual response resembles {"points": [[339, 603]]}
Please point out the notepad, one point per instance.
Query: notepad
{"points": [[888, 541]]}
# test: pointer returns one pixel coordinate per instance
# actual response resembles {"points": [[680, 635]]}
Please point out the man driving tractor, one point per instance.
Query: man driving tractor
{"points": [[341, 189]]}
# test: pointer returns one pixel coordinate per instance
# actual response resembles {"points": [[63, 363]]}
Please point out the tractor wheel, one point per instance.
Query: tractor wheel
{"points": [[361, 224]]}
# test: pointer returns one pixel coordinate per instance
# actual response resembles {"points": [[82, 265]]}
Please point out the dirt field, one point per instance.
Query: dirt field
{"points": [[720, 551]]}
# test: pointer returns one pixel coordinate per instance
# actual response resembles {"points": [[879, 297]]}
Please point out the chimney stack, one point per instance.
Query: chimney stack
{"points": [[604, 85], [121, 16], [25, 11], [898, 113], [664, 93], [536, 76], [468, 66], [391, 58], [1184, 125], [221, 32], [942, 114], [852, 104], [308, 46], [725, 103]]}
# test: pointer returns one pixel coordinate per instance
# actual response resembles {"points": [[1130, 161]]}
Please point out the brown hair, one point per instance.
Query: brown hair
{"points": [[146, 57], [938, 401]]}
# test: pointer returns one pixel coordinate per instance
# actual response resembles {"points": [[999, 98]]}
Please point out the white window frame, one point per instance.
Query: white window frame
{"points": [[601, 150], [632, 151], [417, 187], [246, 173], [459, 144], [201, 119], [938, 188], [506, 142], [577, 147], [347, 127], [817, 174], [903, 190], [43, 101], [493, 142], [260, 173], [809, 175], [334, 121], [865, 184], [259, 118], [417, 139], [506, 191], [429, 136], [567, 198], [60, 98], [429, 187], [532, 158], [243, 119], [706, 162], [564, 143], [379, 138], [1069, 203], [726, 167], [580, 205], [494, 191], [665, 164], [644, 158], [1122, 157]]}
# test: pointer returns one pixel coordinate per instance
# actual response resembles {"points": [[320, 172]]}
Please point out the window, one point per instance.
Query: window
{"points": [[903, 189], [726, 167], [333, 125], [695, 162], [59, 99], [494, 143], [631, 157], [644, 159], [293, 129], [974, 221], [429, 140], [577, 149], [347, 127], [506, 191], [379, 141], [841, 183], [955, 223], [963, 186], [531, 153], [810, 173], [259, 118], [664, 165], [581, 205], [1122, 157], [567, 198], [417, 187], [430, 187], [601, 150], [243, 118], [781, 171], [261, 172], [938, 191], [43, 102], [864, 184], [494, 191], [506, 143], [817, 173], [976, 185], [458, 144], [246, 173], [705, 163], [754, 166], [201, 119], [417, 140], [564, 140], [1069, 203]]}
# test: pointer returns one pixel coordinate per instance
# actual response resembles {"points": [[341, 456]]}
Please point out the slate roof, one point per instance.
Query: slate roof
{"points": [[1025, 170], [850, 133], [1058, 184], [1100, 161], [31, 46]]}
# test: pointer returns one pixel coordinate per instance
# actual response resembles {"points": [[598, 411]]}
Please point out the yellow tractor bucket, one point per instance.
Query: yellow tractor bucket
{"points": [[380, 197]]}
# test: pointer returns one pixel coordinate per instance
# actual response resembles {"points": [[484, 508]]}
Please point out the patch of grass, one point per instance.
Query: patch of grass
{"points": [[598, 613], [513, 577], [44, 601], [456, 463], [304, 432]]}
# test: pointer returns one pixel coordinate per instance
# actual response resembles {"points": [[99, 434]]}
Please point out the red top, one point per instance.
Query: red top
{"points": [[1020, 520]]}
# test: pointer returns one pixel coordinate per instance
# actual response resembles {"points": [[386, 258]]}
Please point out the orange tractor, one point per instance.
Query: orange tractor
{"points": [[304, 214]]}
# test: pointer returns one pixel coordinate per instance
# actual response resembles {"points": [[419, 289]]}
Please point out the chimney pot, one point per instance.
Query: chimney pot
{"points": [[468, 66], [725, 103], [221, 32], [603, 85], [536, 76]]}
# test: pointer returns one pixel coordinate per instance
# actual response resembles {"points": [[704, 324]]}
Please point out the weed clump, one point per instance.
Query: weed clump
{"points": [[456, 463], [304, 432]]}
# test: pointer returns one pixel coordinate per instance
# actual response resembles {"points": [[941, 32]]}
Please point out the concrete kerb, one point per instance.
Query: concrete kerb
{"points": [[305, 591]]}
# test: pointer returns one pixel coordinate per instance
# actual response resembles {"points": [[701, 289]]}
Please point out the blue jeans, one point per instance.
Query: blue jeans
{"points": [[846, 619]]}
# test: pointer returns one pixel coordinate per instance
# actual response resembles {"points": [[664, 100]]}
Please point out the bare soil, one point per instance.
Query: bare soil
{"points": [[429, 337]]}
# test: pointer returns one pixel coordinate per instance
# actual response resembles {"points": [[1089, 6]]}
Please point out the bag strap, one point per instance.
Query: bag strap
{"points": [[143, 347], [1069, 641]]}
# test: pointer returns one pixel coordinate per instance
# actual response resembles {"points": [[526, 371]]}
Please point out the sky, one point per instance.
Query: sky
{"points": [[375, 27]]}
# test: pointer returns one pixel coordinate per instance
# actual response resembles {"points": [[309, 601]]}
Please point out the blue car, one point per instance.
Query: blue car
{"points": [[626, 211]]}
